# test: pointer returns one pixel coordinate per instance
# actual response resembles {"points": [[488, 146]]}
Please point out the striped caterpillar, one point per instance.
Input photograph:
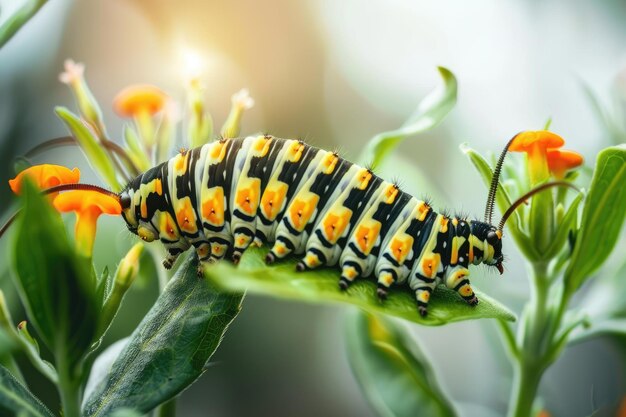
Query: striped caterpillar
{"points": [[226, 195]]}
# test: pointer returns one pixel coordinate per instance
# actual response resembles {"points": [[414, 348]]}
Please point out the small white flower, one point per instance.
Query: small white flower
{"points": [[242, 99], [73, 72]]}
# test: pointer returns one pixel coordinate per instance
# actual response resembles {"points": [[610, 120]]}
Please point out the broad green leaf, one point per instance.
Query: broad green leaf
{"points": [[56, 285], [320, 286], [102, 366], [503, 201], [170, 348], [15, 399], [94, 151], [602, 219], [430, 112], [125, 412], [391, 369]]}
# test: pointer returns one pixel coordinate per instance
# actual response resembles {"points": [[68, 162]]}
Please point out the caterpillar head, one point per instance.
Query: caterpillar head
{"points": [[131, 210], [486, 243]]}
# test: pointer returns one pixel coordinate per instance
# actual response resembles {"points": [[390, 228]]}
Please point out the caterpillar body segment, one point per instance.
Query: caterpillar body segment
{"points": [[226, 195]]}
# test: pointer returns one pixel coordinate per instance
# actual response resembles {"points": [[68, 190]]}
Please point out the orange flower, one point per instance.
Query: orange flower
{"points": [[45, 176], [88, 206], [561, 161], [536, 145], [136, 99], [141, 102]]}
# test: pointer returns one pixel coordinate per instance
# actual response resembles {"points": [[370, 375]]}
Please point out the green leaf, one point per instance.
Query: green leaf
{"points": [[430, 112], [170, 348], [16, 399], [503, 201], [391, 369], [321, 285], [94, 151], [56, 286], [19, 18], [602, 219]]}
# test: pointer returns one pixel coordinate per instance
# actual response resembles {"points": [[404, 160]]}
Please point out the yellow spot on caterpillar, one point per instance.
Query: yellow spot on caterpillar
{"points": [[454, 251], [424, 296], [301, 210], [386, 279], [262, 145], [213, 206], [366, 237], [218, 151], [391, 193], [167, 226], [400, 247], [422, 211], [364, 177], [444, 224], [203, 250], [335, 223], [273, 199], [430, 264], [330, 162], [145, 234], [248, 197], [295, 151], [349, 272], [185, 216], [465, 290]]}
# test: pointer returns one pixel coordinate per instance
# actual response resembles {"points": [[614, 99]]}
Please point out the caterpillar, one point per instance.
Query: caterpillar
{"points": [[229, 194]]}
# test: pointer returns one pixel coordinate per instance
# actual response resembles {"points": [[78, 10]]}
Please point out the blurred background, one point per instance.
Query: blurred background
{"points": [[335, 73]]}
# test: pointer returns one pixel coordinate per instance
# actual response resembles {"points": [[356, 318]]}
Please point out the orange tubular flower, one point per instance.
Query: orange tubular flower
{"points": [[561, 161], [88, 206], [141, 102], [536, 145], [45, 176]]}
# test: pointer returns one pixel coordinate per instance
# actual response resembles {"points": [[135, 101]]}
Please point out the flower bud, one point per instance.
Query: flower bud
{"points": [[241, 101], [87, 104], [22, 331], [129, 267], [200, 127]]}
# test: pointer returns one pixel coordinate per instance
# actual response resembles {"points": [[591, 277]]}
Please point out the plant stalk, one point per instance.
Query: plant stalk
{"points": [[69, 389], [535, 343]]}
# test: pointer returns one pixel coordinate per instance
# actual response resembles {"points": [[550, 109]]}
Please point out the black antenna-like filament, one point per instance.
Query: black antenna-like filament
{"points": [[495, 180], [529, 194]]}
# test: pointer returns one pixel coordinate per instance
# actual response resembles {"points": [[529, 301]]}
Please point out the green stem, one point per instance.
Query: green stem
{"points": [[69, 387], [531, 364], [525, 385]]}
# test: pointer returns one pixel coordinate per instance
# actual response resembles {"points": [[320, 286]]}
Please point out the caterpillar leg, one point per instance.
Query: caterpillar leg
{"points": [[385, 279], [423, 287], [170, 259], [282, 247], [349, 272], [312, 259], [457, 280], [203, 250]]}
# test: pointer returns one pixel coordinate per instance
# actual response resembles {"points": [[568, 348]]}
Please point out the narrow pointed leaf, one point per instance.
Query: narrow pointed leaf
{"points": [[393, 372], [430, 112], [94, 151], [563, 229], [321, 286], [170, 348], [15, 399], [603, 216]]}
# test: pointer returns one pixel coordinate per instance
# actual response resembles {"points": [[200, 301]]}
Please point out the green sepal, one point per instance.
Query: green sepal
{"points": [[55, 284], [430, 112], [321, 286], [16, 399], [503, 201], [170, 349], [393, 372], [94, 151], [564, 227], [135, 149], [602, 218]]}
